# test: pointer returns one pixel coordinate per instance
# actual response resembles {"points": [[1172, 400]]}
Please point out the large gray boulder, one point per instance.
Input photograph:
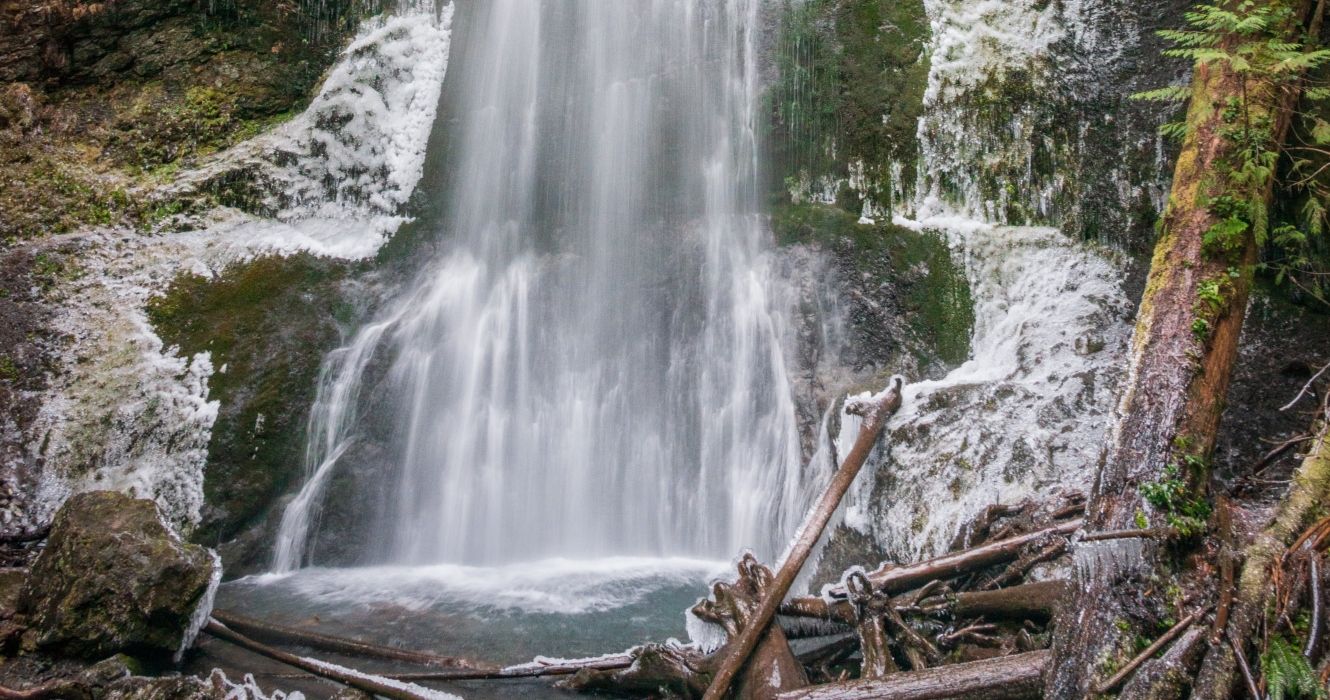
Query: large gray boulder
{"points": [[114, 578]]}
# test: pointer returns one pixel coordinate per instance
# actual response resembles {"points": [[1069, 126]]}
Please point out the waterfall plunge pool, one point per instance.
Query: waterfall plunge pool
{"points": [[503, 614]]}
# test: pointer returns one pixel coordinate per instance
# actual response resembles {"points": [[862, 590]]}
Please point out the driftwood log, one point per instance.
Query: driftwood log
{"points": [[685, 672], [1015, 677], [375, 685], [534, 669], [1037, 601], [898, 579], [55, 690], [875, 412], [276, 634]]}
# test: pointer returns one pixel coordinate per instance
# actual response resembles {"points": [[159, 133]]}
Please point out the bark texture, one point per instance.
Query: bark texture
{"points": [[1180, 366], [755, 629], [1016, 677]]}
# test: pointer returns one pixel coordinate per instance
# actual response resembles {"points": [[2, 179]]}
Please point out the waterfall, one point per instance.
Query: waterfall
{"points": [[592, 363]]}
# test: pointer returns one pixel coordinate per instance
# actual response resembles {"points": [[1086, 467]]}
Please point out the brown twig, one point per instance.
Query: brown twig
{"points": [[1152, 532], [1305, 388], [919, 651], [1242, 665], [1277, 452], [1144, 656], [1313, 636], [1017, 569], [528, 670], [975, 632]]}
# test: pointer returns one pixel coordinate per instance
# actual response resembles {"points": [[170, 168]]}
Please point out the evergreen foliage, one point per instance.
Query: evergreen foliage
{"points": [[1249, 40], [1288, 675]]}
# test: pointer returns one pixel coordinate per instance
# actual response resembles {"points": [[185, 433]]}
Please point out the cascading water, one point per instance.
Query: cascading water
{"points": [[593, 363], [1027, 413]]}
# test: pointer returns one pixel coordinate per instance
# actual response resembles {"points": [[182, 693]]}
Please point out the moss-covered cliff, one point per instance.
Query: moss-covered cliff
{"points": [[101, 100]]}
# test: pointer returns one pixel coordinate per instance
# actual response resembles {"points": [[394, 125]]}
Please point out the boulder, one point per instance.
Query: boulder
{"points": [[114, 578]]}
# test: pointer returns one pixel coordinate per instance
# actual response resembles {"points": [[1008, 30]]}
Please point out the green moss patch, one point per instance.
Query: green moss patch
{"points": [[268, 324], [932, 292], [851, 86]]}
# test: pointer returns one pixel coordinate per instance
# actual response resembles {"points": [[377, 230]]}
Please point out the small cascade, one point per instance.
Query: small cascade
{"points": [[1028, 412]]}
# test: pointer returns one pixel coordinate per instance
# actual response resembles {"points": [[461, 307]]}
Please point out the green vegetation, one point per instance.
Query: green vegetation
{"points": [[267, 324], [851, 85], [1173, 496], [1288, 675], [1248, 40], [8, 370]]}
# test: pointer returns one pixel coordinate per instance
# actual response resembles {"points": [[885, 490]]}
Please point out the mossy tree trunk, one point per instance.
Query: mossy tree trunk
{"points": [[1182, 355]]}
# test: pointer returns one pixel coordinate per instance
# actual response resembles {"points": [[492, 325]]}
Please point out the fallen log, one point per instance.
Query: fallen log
{"points": [[656, 669], [1016, 677], [534, 669], [25, 536], [869, 608], [735, 607], [376, 685], [875, 413], [898, 579], [351, 647], [1031, 601]]}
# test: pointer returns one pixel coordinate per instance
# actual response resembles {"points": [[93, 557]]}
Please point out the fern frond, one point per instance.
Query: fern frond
{"points": [[1288, 675], [1189, 38], [1174, 93], [1173, 130]]}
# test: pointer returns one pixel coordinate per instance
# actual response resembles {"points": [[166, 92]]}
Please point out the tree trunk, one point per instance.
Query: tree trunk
{"points": [[1016, 677], [1181, 361]]}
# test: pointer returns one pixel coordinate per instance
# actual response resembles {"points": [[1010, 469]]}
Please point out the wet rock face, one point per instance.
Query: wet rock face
{"points": [[73, 43], [1282, 346], [114, 579], [26, 338], [267, 324]]}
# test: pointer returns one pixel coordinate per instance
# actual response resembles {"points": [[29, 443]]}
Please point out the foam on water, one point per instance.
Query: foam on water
{"points": [[551, 586], [247, 688]]}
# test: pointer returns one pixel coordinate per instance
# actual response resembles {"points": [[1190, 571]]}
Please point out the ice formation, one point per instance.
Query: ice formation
{"points": [[124, 412]]}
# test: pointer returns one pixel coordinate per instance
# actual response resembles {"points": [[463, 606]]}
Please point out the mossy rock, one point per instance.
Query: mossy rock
{"points": [[907, 274], [115, 579], [852, 76], [268, 324]]}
